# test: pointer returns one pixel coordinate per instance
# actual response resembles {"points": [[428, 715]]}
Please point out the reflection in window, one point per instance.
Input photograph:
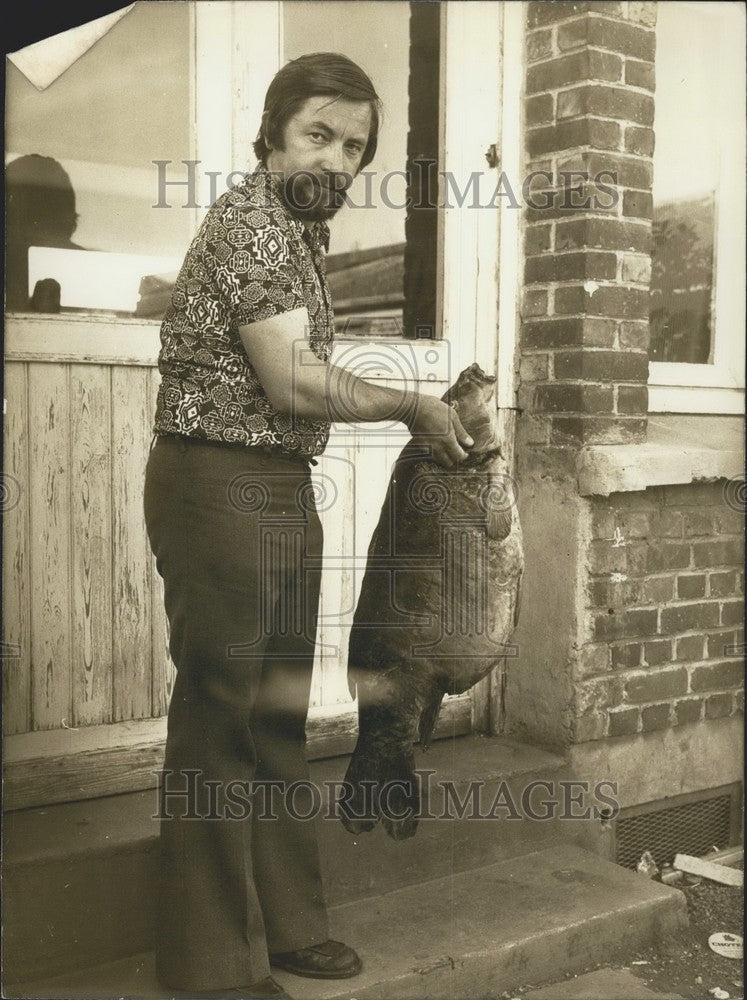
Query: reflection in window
{"points": [[80, 182], [693, 52], [383, 253]]}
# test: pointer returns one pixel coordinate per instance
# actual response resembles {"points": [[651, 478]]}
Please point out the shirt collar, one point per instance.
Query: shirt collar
{"points": [[318, 232]]}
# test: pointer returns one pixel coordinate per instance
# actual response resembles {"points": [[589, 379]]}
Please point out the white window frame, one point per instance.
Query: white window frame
{"points": [[719, 387]]}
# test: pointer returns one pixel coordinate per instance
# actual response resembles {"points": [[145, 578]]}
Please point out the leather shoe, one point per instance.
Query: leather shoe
{"points": [[328, 960]]}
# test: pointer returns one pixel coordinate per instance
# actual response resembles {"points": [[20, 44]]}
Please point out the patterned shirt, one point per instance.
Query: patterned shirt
{"points": [[250, 260]]}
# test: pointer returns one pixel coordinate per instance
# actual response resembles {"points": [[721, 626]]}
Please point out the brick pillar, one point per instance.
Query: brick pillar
{"points": [[590, 108]]}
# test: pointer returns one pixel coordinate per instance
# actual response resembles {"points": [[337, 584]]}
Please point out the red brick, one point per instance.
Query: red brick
{"points": [[592, 132], [691, 585], [629, 171], [692, 495], [718, 706], [657, 652], [597, 430], [634, 523], [539, 110], [632, 399], [623, 722], [623, 303], [601, 366], [534, 368], [728, 522], [607, 102], [579, 66], [544, 12], [723, 584], [732, 613], [720, 644], [562, 267], [539, 45], [640, 74], [655, 717], [597, 591], [667, 523], [718, 553], [626, 624], [690, 648], [698, 522], [658, 589], [627, 655], [628, 39], [606, 558], [565, 398], [537, 238], [657, 685], [688, 617], [603, 521], [534, 302], [552, 333], [715, 676], [688, 710], [606, 234], [639, 204], [667, 555], [639, 140]]}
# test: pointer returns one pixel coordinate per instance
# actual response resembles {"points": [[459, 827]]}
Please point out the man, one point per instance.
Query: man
{"points": [[245, 403]]}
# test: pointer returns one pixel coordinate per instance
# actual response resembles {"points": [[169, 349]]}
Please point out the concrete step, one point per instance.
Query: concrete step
{"points": [[79, 877], [475, 934]]}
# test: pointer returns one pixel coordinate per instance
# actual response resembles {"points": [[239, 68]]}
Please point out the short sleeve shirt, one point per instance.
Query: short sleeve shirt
{"points": [[250, 260]]}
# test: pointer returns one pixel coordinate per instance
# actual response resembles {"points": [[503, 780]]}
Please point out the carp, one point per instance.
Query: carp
{"points": [[438, 603]]}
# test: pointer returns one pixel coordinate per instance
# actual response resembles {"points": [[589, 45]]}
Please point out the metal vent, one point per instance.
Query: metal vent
{"points": [[686, 824]]}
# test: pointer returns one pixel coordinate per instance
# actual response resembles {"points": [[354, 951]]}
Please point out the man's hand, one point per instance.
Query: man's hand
{"points": [[436, 424], [298, 383]]}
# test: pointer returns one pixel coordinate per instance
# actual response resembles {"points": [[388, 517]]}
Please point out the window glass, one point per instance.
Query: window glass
{"points": [[696, 55], [82, 232], [383, 251]]}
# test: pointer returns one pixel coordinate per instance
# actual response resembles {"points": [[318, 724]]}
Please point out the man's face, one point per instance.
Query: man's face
{"points": [[323, 144]]}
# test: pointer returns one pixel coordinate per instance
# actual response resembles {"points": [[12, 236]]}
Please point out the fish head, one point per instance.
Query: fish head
{"points": [[473, 398]]}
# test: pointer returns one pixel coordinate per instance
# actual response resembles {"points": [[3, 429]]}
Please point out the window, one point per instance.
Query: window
{"points": [[697, 283], [80, 180], [382, 263]]}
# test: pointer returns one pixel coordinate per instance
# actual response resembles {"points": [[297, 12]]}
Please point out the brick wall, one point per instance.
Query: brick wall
{"points": [[589, 107], [665, 612]]}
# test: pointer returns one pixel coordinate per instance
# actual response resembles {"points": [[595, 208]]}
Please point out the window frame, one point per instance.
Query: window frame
{"points": [[718, 387]]}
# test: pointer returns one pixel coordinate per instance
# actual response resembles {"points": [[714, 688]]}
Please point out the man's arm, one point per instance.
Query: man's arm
{"points": [[297, 382]]}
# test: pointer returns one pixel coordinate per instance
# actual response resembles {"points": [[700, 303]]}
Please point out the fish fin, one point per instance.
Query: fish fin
{"points": [[428, 718], [499, 513]]}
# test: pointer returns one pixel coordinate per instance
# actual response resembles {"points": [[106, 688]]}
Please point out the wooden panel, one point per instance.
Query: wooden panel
{"points": [[16, 596], [163, 669], [41, 768], [83, 339], [91, 592], [131, 661], [49, 492]]}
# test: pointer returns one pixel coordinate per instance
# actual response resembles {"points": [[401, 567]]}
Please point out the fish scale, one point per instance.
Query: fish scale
{"points": [[438, 604]]}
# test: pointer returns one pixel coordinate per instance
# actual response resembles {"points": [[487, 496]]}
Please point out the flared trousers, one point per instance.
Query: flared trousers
{"points": [[238, 542]]}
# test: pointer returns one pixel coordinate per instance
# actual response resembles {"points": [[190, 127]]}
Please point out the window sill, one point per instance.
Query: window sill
{"points": [[679, 450]]}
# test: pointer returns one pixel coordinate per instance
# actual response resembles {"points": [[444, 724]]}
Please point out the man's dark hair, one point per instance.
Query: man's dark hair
{"points": [[315, 75]]}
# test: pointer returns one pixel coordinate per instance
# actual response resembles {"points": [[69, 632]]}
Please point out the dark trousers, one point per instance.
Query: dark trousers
{"points": [[238, 542]]}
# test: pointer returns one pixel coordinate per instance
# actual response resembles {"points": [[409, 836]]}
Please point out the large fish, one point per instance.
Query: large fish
{"points": [[438, 604]]}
